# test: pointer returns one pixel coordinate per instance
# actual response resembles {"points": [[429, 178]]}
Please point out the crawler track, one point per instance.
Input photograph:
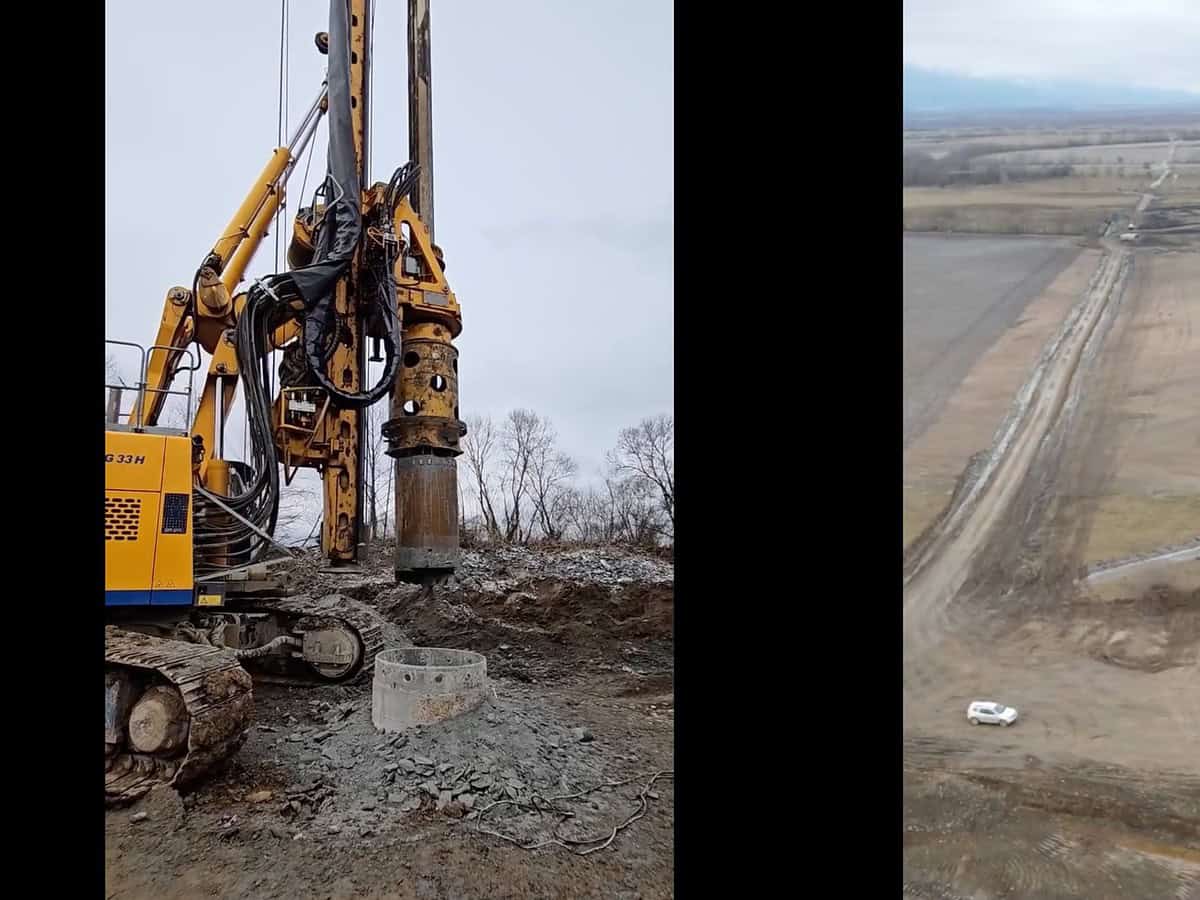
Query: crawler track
{"points": [[218, 696], [308, 612]]}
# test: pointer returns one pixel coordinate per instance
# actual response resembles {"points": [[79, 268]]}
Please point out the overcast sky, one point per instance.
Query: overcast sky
{"points": [[553, 160], [1149, 43]]}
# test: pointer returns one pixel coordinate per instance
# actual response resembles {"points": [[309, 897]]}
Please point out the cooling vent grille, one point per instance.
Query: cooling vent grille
{"points": [[122, 515]]}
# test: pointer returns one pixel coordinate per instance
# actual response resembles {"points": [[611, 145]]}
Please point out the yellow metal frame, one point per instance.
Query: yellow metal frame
{"points": [[426, 305], [139, 469]]}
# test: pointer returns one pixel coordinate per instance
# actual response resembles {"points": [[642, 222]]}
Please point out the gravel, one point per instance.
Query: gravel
{"points": [[512, 751], [502, 570]]}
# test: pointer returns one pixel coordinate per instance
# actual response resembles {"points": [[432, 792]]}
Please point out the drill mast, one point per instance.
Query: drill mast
{"points": [[362, 269], [344, 469]]}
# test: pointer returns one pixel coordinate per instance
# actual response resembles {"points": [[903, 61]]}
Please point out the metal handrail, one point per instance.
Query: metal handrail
{"points": [[142, 387]]}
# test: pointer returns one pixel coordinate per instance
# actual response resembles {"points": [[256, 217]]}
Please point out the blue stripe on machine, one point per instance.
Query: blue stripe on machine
{"points": [[126, 598], [148, 598], [172, 598]]}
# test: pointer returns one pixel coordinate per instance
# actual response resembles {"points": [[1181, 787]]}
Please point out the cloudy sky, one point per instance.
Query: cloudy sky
{"points": [[1148, 43], [553, 159]]}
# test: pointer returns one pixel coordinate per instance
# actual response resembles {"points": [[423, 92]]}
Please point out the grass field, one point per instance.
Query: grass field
{"points": [[1134, 479], [1070, 192], [1074, 205], [1103, 155], [1042, 182], [1048, 138], [960, 295]]}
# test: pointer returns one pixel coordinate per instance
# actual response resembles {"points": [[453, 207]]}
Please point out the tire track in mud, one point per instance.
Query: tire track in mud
{"points": [[1099, 426], [1125, 388], [940, 564], [1034, 876], [1044, 407], [1074, 829], [1018, 540], [1096, 731], [1134, 379], [945, 657]]}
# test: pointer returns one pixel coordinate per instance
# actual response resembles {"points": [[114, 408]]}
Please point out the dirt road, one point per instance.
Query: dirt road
{"points": [[937, 566], [1096, 791], [949, 658], [1163, 177]]}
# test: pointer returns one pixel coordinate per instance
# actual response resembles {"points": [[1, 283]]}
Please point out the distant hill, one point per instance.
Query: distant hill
{"points": [[929, 91]]}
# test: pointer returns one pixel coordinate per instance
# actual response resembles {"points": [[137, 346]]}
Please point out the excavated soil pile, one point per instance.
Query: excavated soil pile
{"points": [[574, 743], [535, 614], [1153, 632], [544, 623]]}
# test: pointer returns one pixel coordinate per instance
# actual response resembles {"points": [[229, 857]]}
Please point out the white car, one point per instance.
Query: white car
{"points": [[987, 712]]}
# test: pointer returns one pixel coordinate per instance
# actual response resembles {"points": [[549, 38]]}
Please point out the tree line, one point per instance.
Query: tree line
{"points": [[920, 168], [517, 485], [525, 489]]}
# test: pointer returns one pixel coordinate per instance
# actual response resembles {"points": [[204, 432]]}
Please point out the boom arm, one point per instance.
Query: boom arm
{"points": [[205, 312]]}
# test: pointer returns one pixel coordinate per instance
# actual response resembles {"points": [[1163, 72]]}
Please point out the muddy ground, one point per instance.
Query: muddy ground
{"points": [[1036, 830], [577, 738], [956, 409], [960, 294], [1095, 791]]}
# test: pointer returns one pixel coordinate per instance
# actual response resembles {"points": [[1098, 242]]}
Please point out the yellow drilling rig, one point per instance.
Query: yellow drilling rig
{"points": [[191, 607]]}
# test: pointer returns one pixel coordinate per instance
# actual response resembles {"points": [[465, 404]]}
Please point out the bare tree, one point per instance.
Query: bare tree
{"points": [[299, 511], [471, 531], [112, 376], [378, 467], [524, 484], [551, 472], [590, 516], [479, 448], [174, 414], [534, 472], [462, 510], [518, 440], [646, 452], [112, 371], [635, 513], [624, 509], [580, 514], [388, 493]]}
